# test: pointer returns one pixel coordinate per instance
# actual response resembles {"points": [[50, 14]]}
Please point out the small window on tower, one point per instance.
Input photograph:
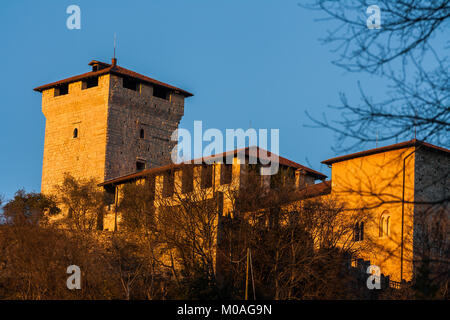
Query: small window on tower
{"points": [[90, 82], [62, 90], [141, 134], [161, 92], [131, 84], [140, 165], [75, 133]]}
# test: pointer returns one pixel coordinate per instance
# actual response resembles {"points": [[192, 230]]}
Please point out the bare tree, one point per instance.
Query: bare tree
{"points": [[188, 226], [300, 248], [408, 51]]}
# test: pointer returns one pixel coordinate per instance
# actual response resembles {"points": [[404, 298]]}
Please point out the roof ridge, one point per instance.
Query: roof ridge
{"points": [[401, 145], [112, 68]]}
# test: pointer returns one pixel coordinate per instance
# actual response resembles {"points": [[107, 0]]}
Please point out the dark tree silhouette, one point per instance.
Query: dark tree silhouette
{"points": [[409, 52]]}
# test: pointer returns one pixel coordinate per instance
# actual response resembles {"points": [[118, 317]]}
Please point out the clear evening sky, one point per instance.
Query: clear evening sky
{"points": [[246, 61]]}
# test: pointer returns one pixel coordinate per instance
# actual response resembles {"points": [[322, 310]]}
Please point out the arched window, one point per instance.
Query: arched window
{"points": [[388, 227], [75, 133], [141, 134], [385, 224]]}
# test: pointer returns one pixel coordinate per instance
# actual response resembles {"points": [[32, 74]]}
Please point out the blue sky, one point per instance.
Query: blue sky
{"points": [[252, 61]]}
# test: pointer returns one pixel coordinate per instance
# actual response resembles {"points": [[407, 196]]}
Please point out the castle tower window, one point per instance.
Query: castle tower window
{"points": [[140, 165], [62, 90], [75, 133], [90, 83], [130, 83], [207, 176], [161, 92], [141, 134]]}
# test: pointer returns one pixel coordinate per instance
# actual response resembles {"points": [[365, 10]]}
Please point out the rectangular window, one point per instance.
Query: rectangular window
{"points": [[168, 184], [131, 84], [187, 184], [62, 90], [226, 173], [90, 82], [140, 165], [207, 175], [161, 92]]}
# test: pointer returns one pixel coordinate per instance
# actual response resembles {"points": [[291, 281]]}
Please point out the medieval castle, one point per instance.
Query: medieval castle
{"points": [[115, 125]]}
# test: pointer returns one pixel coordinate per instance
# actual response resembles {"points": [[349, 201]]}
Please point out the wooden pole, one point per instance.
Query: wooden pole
{"points": [[246, 275], [253, 279]]}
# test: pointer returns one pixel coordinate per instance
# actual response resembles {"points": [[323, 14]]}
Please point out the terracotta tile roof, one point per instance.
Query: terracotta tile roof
{"points": [[265, 155], [261, 154], [401, 145], [114, 69], [308, 192], [311, 191]]}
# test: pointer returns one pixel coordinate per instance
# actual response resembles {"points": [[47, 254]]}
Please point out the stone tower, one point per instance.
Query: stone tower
{"points": [[106, 123]]}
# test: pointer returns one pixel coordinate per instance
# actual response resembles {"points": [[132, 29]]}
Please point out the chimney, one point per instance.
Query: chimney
{"points": [[113, 62], [98, 65]]}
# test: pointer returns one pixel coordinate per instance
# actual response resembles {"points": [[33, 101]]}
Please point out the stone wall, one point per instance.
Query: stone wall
{"points": [[109, 119], [432, 209], [85, 110], [432, 178], [129, 112]]}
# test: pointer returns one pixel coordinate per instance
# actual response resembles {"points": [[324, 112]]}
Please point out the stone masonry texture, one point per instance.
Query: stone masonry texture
{"points": [[109, 119]]}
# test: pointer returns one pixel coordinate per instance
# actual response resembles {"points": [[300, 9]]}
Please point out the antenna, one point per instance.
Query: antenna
{"points": [[114, 45]]}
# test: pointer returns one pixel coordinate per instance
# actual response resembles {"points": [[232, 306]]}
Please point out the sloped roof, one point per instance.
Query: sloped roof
{"points": [[114, 69], [249, 151], [314, 190], [401, 145]]}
